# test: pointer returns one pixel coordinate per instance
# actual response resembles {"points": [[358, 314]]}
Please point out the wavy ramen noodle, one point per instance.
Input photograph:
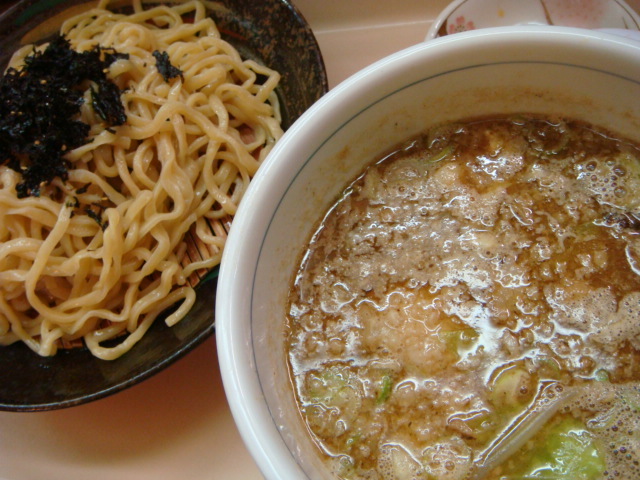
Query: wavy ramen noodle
{"points": [[167, 182]]}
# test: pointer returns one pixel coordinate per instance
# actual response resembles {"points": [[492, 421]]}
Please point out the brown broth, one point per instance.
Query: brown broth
{"points": [[484, 274]]}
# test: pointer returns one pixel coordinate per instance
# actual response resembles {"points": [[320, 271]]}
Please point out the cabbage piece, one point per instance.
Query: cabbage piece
{"points": [[563, 450]]}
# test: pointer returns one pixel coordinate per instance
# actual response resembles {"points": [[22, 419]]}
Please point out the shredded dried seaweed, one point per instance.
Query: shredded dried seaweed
{"points": [[40, 105], [97, 217], [164, 66]]}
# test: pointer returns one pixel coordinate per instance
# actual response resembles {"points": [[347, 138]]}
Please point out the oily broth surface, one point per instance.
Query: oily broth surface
{"points": [[476, 276]]}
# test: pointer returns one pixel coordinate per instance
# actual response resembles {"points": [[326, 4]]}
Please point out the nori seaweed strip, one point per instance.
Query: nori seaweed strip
{"points": [[106, 103], [163, 64], [97, 217], [39, 107]]}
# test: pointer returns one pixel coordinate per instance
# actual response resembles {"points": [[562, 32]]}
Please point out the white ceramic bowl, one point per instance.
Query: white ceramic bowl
{"points": [[578, 73]]}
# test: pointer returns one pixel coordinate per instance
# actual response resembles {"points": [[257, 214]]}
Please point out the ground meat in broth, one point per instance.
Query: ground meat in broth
{"points": [[483, 275]]}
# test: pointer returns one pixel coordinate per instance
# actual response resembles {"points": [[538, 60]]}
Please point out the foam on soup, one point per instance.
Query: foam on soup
{"points": [[470, 308]]}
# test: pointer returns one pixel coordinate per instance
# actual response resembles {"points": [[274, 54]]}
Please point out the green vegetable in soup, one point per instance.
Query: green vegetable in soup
{"points": [[459, 341], [563, 450], [602, 375], [441, 155], [334, 386], [512, 388], [385, 391]]}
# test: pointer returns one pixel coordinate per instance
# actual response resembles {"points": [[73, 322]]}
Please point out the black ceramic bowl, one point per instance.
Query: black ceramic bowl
{"points": [[271, 31]]}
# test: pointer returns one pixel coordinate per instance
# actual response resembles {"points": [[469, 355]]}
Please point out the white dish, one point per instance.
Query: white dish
{"points": [[488, 71], [463, 15]]}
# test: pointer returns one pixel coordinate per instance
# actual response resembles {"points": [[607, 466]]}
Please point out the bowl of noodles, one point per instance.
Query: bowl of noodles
{"points": [[435, 274], [130, 132]]}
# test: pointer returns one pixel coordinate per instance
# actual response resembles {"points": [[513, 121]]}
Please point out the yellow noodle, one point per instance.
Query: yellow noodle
{"points": [[173, 173]]}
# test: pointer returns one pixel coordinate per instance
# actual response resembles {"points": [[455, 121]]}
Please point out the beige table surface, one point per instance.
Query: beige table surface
{"points": [[177, 425]]}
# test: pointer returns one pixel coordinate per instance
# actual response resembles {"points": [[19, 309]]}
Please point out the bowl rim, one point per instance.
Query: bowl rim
{"points": [[257, 427]]}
